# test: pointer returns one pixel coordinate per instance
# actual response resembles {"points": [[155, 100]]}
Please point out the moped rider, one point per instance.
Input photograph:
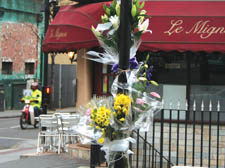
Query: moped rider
{"points": [[37, 97]]}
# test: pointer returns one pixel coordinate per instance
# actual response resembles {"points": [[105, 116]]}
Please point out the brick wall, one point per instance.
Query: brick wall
{"points": [[19, 43]]}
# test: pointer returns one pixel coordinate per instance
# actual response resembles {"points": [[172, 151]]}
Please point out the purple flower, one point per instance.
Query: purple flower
{"points": [[115, 67], [133, 65], [149, 75]]}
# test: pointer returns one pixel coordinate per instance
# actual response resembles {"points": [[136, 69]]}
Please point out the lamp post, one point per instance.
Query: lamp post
{"points": [[45, 74], [49, 15], [124, 55], [125, 34], [124, 40], [72, 56]]}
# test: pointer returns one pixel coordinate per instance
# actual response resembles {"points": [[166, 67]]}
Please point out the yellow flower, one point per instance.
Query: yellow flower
{"points": [[106, 123], [103, 132], [117, 108], [125, 111], [114, 114], [100, 116], [122, 119], [101, 140]]}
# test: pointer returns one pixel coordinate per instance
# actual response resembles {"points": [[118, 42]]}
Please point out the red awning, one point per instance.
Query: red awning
{"points": [[71, 28], [176, 25]]}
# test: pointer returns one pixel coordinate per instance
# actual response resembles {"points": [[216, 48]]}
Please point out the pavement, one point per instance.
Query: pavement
{"points": [[44, 160]]}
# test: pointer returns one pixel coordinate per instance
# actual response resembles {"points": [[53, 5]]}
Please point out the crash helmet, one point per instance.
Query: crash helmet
{"points": [[34, 86]]}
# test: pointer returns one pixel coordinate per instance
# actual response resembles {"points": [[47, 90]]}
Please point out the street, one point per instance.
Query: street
{"points": [[14, 141]]}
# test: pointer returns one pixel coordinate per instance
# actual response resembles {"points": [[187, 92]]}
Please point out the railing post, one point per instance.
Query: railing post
{"points": [[161, 138]]}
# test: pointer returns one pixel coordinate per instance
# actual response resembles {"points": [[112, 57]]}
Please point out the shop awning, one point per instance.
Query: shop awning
{"points": [[176, 25]]}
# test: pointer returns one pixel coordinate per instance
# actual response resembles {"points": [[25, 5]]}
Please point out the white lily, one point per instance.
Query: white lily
{"points": [[103, 27], [115, 21], [144, 26]]}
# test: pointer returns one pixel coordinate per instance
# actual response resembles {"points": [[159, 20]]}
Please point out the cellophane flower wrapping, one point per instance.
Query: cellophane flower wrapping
{"points": [[109, 121], [144, 104]]}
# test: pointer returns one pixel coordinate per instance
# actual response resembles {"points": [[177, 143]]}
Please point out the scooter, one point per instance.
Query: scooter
{"points": [[27, 117]]}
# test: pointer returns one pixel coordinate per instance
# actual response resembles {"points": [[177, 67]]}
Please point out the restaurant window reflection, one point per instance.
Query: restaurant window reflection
{"points": [[198, 76], [208, 80]]}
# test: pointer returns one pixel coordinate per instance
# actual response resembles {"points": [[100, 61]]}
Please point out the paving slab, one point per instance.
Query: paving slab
{"points": [[46, 161]]}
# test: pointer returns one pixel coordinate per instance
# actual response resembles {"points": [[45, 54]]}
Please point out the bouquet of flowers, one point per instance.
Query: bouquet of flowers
{"points": [[110, 120], [107, 122]]}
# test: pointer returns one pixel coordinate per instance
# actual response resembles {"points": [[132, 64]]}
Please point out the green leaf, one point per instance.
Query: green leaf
{"points": [[112, 10], [142, 5], [147, 58], [114, 3], [138, 34], [117, 9], [134, 25], [154, 83], [108, 11], [104, 7], [137, 4]]}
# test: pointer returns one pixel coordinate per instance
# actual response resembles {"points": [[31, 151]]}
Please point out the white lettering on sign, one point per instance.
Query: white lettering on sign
{"points": [[57, 34], [175, 27], [203, 28]]}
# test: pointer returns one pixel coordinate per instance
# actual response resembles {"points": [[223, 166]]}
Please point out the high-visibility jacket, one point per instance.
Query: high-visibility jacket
{"points": [[36, 95]]}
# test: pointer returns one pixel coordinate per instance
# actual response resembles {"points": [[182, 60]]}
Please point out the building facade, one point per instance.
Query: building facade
{"points": [[22, 30]]}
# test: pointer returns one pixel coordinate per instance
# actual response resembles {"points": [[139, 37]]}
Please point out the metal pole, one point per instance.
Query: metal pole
{"points": [[124, 56], [60, 86], [45, 83], [125, 34], [124, 40]]}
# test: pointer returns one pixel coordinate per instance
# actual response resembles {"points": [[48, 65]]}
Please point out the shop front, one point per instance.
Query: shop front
{"points": [[187, 50]]}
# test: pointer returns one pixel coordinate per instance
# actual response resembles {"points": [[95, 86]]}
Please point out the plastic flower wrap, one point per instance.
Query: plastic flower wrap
{"points": [[107, 118], [107, 122], [144, 104]]}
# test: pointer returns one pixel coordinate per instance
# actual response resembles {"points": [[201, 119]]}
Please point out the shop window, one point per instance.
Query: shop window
{"points": [[207, 78], [168, 67], [191, 76], [7, 68], [207, 68], [29, 68]]}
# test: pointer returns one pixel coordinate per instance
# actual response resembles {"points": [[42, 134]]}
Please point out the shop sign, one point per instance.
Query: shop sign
{"points": [[187, 29]]}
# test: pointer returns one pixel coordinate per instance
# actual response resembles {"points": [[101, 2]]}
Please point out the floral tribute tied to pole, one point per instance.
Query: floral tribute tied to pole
{"points": [[109, 121]]}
